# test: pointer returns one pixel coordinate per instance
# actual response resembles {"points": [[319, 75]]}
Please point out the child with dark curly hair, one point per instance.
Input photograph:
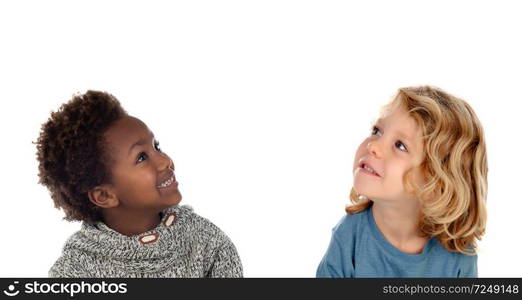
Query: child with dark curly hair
{"points": [[105, 168]]}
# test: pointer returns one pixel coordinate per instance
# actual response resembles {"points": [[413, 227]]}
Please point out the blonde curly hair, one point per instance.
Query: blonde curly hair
{"points": [[453, 199]]}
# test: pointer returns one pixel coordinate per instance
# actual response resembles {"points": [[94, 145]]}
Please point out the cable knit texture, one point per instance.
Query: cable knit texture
{"points": [[189, 247]]}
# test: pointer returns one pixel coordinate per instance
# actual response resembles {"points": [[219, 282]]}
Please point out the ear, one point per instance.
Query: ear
{"points": [[103, 196]]}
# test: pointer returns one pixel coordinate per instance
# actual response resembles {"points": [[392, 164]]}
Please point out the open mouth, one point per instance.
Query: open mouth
{"points": [[364, 166], [168, 182]]}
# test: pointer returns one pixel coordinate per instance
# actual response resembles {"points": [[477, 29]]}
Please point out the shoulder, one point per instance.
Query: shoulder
{"points": [[457, 263], [338, 260], [466, 259], [72, 263], [77, 258], [199, 226], [192, 221], [220, 253], [350, 224], [459, 258], [467, 265]]}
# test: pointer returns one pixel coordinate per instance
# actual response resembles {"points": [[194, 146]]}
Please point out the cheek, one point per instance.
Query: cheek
{"points": [[137, 181], [418, 178], [396, 170], [145, 180]]}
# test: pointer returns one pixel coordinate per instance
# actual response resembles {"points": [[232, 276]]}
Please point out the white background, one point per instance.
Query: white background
{"points": [[261, 104]]}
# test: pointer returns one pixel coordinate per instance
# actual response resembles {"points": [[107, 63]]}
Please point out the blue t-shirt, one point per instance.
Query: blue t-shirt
{"points": [[358, 249]]}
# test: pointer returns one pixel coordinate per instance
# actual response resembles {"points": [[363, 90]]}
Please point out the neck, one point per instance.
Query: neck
{"points": [[130, 223], [399, 225]]}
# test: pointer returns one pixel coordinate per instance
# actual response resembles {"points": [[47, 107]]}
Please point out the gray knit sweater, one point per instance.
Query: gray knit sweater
{"points": [[182, 245]]}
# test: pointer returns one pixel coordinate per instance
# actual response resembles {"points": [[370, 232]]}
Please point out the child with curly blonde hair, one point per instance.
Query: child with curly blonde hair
{"points": [[419, 193]]}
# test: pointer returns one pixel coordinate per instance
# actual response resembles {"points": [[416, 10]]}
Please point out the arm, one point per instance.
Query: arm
{"points": [[468, 266], [68, 267], [226, 262], [59, 272], [338, 260], [335, 263]]}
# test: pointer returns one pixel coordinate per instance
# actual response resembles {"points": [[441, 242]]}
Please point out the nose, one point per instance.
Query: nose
{"points": [[374, 148], [164, 162]]}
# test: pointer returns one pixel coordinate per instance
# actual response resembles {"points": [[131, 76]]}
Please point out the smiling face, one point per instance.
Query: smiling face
{"points": [[393, 148], [142, 175]]}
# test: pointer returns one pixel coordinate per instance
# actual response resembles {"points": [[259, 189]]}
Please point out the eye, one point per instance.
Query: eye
{"points": [[156, 146], [400, 145], [141, 157], [376, 131]]}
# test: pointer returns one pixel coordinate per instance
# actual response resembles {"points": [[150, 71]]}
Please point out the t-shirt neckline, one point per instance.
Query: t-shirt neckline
{"points": [[377, 234]]}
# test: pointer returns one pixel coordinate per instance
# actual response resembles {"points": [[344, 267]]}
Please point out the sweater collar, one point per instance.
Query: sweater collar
{"points": [[149, 251], [168, 218]]}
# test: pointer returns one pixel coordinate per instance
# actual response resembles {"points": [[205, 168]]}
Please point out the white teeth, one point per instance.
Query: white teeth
{"points": [[167, 183], [369, 169]]}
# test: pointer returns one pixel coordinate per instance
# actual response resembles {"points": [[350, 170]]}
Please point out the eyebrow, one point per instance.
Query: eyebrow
{"points": [[401, 134], [140, 142], [405, 137]]}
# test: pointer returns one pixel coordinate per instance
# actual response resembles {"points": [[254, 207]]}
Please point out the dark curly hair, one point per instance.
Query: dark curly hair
{"points": [[70, 152]]}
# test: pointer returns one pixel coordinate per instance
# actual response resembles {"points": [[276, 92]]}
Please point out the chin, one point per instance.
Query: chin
{"points": [[362, 188], [175, 199], [170, 200]]}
